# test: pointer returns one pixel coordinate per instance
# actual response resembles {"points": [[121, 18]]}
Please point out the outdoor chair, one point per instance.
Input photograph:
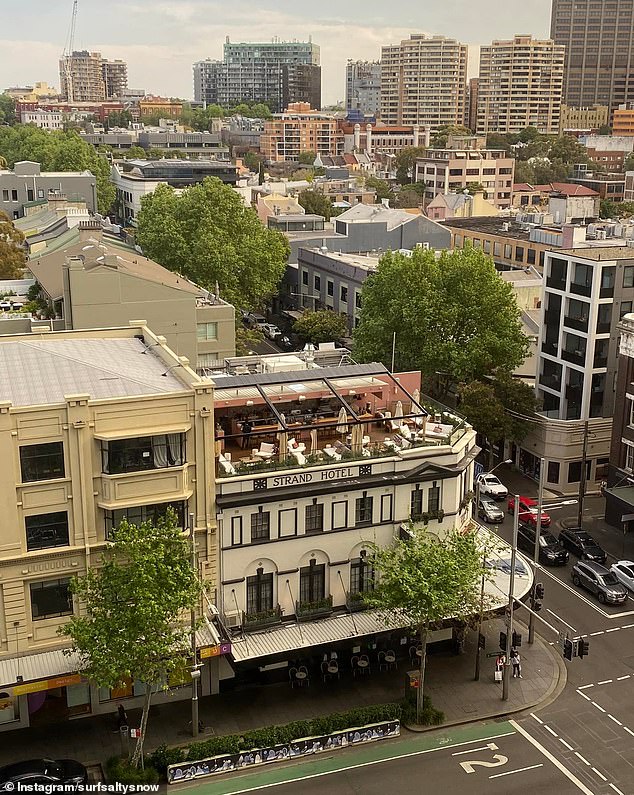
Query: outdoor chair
{"points": [[225, 463], [332, 453], [353, 665], [391, 664], [291, 676], [267, 450], [294, 445], [383, 666], [365, 669], [306, 681], [298, 456]]}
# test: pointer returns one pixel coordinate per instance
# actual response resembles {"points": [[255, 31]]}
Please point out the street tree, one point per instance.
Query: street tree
{"points": [[425, 580], [7, 110], [405, 163], [315, 202], [440, 138], [130, 627], [306, 158], [476, 187], [628, 165], [207, 234], [323, 325], [452, 315], [12, 254], [382, 188], [135, 153], [520, 404], [485, 412], [408, 198]]}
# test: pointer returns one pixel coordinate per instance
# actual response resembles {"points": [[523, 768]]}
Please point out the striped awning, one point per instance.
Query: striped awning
{"points": [[33, 667]]}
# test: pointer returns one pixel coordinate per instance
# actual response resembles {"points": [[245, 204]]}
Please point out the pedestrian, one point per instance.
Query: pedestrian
{"points": [[515, 659], [247, 427], [500, 660], [122, 716]]}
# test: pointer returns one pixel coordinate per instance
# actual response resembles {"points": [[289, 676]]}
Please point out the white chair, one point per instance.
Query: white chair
{"points": [[365, 441], [330, 451], [267, 450], [225, 463], [298, 456], [298, 447]]}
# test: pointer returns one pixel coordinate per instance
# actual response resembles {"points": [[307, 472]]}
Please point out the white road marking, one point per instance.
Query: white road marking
{"points": [[629, 731], [583, 759], [627, 626], [519, 770], [560, 619], [570, 776], [488, 747], [594, 704], [614, 629], [605, 682], [548, 729], [539, 720], [592, 634], [563, 742], [583, 687], [614, 719], [600, 775], [621, 678], [583, 695], [617, 790]]}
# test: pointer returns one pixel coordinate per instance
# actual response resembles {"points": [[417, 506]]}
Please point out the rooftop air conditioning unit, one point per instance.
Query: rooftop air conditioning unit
{"points": [[629, 243], [601, 234], [234, 620]]}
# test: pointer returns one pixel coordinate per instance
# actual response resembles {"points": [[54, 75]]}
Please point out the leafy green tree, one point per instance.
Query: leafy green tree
{"points": [[12, 254], [424, 580], [134, 603], [260, 111], [314, 201], [520, 404], [135, 153], [324, 325], [382, 188], [441, 136], [605, 129], [501, 141], [485, 411], [567, 149], [452, 315], [7, 110], [628, 165], [307, 158], [252, 161], [611, 209], [405, 163], [302, 174], [476, 187], [408, 198], [119, 118], [528, 135], [207, 234]]}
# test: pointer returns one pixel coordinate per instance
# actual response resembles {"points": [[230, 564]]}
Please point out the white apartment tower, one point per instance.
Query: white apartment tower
{"points": [[520, 85], [424, 81]]}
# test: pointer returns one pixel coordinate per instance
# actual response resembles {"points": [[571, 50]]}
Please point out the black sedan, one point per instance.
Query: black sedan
{"points": [[551, 553], [581, 544], [42, 771]]}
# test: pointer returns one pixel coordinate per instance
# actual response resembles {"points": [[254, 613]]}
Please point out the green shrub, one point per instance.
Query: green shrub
{"points": [[118, 770], [430, 716], [164, 756]]}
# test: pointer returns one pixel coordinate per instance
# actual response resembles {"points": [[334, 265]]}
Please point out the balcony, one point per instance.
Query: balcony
{"points": [[550, 381], [549, 347], [575, 357], [581, 289], [307, 611], [132, 488], [577, 323], [251, 622]]}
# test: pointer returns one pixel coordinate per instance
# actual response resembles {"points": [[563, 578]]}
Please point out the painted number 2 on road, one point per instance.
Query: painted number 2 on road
{"points": [[500, 759]]}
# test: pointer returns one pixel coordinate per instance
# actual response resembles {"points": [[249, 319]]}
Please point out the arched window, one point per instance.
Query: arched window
{"points": [[259, 592]]}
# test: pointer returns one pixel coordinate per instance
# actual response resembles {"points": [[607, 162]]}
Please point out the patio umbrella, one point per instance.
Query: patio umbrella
{"points": [[398, 413], [313, 440], [419, 415], [342, 421], [283, 439], [357, 438]]}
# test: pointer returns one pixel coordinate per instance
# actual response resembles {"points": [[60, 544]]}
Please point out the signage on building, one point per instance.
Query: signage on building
{"points": [[322, 476], [215, 651], [47, 684]]}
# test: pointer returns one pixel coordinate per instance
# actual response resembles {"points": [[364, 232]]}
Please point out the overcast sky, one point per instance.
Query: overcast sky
{"points": [[160, 40]]}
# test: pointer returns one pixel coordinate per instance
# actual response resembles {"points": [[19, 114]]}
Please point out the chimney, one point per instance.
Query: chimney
{"points": [[416, 134], [357, 137], [368, 138], [426, 136], [89, 230]]}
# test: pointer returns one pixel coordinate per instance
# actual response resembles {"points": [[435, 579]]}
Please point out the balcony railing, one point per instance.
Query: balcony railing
{"points": [[307, 611], [266, 618], [580, 289], [549, 347], [576, 357], [355, 601], [578, 323], [550, 381]]}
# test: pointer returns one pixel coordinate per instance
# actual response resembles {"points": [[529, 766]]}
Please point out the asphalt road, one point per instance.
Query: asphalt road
{"points": [[488, 759]]}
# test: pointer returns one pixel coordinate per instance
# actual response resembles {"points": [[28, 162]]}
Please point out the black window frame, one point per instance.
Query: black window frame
{"points": [[361, 575], [140, 452], [553, 468], [259, 592], [314, 517], [628, 276], [416, 502], [312, 582], [433, 498], [261, 525], [151, 512], [51, 527], [330, 288], [35, 456], [573, 475], [42, 585], [363, 509]]}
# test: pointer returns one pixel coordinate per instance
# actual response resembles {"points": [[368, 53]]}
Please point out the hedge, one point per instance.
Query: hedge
{"points": [[118, 770], [278, 735]]}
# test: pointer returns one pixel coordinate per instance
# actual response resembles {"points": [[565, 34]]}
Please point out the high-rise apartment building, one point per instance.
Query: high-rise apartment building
{"points": [[424, 81], [471, 109], [363, 87], [115, 77], [599, 41], [520, 86], [87, 77], [276, 73]]}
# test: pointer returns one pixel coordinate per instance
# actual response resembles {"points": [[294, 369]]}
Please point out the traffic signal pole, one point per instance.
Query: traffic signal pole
{"points": [[538, 530], [509, 630]]}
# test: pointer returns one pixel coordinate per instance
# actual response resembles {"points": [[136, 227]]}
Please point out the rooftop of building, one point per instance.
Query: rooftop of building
{"points": [[490, 225], [522, 277], [365, 261], [362, 213], [565, 188], [601, 253], [45, 369]]}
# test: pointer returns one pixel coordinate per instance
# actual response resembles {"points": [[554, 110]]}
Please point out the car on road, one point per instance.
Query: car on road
{"points": [[489, 510], [600, 581], [284, 343], [270, 330], [624, 573], [492, 486], [528, 511], [551, 553], [254, 320], [42, 771], [581, 544]]}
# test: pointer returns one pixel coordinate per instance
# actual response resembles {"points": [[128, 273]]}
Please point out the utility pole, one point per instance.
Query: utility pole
{"points": [[195, 671], [538, 530], [582, 482], [509, 628]]}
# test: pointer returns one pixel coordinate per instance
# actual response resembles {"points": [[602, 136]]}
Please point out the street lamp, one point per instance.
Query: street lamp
{"points": [[509, 629]]}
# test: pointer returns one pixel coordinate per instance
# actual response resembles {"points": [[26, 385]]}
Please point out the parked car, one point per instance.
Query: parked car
{"points": [[5, 306], [600, 581], [42, 771], [255, 321], [489, 510], [528, 511], [624, 573], [270, 330], [551, 553], [492, 486], [581, 544], [284, 343]]}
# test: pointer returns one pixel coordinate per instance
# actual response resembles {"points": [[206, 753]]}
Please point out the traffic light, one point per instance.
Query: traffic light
{"points": [[537, 605], [517, 639], [584, 647], [568, 649], [481, 641], [503, 641], [539, 590]]}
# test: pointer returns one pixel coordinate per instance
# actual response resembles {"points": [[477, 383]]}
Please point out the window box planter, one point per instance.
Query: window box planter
{"points": [[307, 611], [267, 618], [355, 601]]}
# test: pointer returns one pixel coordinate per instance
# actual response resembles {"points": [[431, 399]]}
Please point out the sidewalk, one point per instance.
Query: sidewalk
{"points": [[449, 682]]}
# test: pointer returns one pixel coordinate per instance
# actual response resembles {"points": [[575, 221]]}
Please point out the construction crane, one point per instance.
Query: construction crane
{"points": [[67, 56]]}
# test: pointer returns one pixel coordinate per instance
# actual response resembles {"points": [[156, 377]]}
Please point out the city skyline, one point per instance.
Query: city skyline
{"points": [[161, 41]]}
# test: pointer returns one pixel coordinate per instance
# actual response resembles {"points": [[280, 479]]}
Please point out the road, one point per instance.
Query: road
{"points": [[490, 759]]}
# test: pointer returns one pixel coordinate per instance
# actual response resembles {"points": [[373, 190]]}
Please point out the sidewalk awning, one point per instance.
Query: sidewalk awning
{"points": [[624, 494], [35, 667]]}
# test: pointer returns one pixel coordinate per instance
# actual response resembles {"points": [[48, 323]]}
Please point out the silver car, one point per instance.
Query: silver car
{"points": [[624, 572], [489, 511]]}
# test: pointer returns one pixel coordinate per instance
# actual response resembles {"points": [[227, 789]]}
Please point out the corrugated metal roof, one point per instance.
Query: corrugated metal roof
{"points": [[33, 667], [291, 637]]}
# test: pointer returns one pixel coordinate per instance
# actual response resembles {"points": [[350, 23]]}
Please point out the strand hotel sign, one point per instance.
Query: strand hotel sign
{"points": [[320, 476]]}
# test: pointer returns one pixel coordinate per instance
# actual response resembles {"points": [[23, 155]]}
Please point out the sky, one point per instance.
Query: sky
{"points": [[160, 40]]}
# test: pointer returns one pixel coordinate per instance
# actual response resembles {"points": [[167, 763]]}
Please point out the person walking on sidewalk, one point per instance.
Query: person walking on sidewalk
{"points": [[515, 660], [500, 660]]}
